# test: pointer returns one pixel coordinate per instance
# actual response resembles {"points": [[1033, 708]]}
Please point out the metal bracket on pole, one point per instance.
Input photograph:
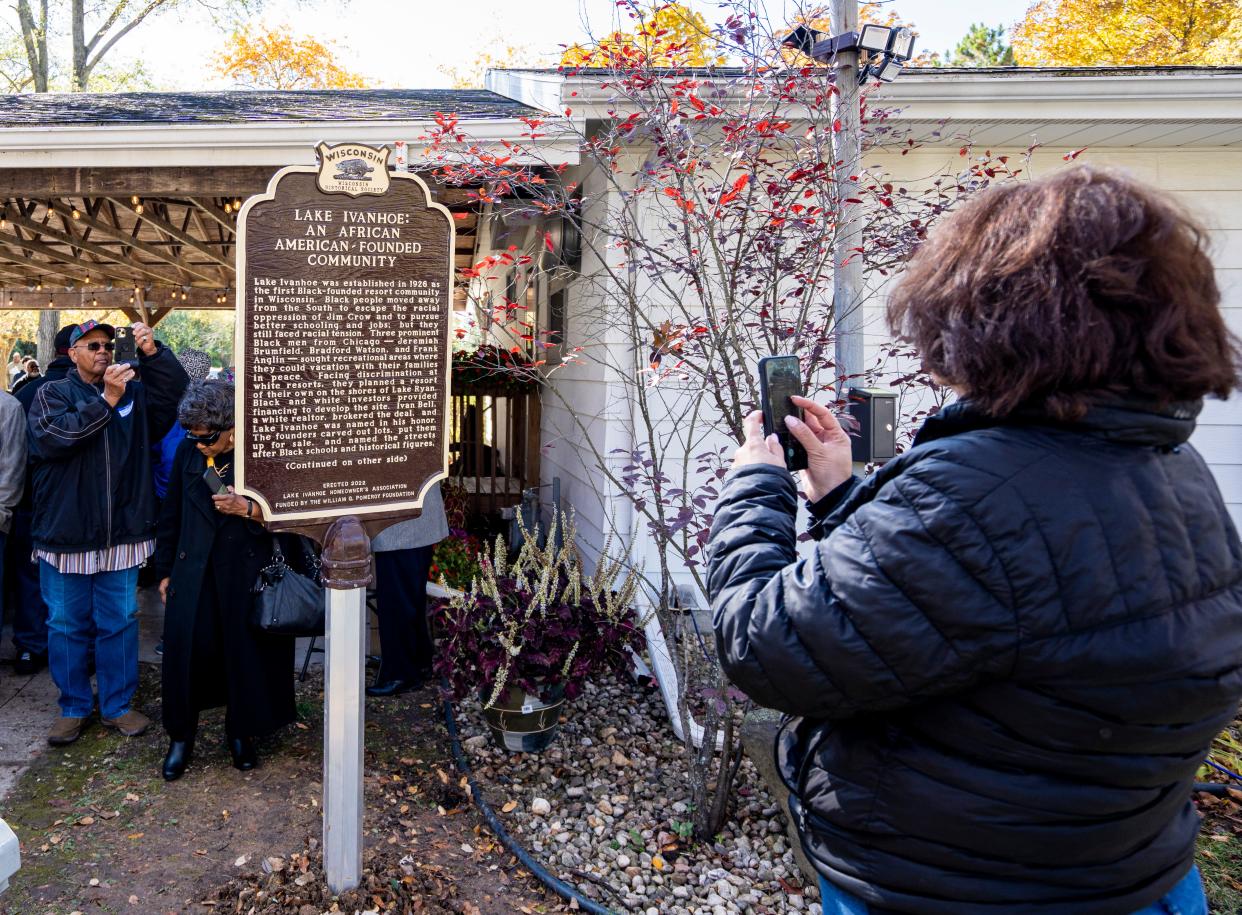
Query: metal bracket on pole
{"points": [[346, 574]]}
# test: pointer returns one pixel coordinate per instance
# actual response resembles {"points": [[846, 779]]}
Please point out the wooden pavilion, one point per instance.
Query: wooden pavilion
{"points": [[129, 201]]}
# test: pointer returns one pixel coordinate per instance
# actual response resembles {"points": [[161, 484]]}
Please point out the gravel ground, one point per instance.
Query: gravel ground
{"points": [[603, 809]]}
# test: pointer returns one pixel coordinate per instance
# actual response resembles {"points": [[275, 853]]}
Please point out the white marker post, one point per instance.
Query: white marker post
{"points": [[347, 572]]}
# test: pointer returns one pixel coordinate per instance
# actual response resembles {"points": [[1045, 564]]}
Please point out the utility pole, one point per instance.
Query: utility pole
{"points": [[847, 276]]}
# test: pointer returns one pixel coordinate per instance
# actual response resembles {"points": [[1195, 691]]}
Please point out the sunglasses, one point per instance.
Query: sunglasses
{"points": [[209, 439], [96, 345]]}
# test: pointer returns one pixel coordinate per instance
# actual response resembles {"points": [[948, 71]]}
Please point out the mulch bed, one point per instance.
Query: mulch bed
{"points": [[102, 832]]}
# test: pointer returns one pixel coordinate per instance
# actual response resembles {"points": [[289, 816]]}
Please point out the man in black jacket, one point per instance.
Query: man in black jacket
{"points": [[21, 570], [94, 515]]}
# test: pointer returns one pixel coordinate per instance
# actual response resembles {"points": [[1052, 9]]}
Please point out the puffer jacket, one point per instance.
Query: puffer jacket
{"points": [[1009, 652]]}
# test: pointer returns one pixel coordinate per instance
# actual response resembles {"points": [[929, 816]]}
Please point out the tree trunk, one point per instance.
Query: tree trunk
{"points": [[49, 323], [34, 40], [78, 17]]}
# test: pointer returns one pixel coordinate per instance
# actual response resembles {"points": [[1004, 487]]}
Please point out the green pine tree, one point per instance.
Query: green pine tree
{"points": [[981, 47]]}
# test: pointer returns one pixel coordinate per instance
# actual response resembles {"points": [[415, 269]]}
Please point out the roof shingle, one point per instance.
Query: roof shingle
{"points": [[55, 109]]}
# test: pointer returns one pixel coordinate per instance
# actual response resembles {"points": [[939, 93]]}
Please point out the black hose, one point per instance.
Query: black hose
{"points": [[1216, 789], [558, 886]]}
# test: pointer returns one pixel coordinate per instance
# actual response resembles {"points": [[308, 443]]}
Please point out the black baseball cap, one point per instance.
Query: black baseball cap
{"points": [[62, 339], [86, 327]]}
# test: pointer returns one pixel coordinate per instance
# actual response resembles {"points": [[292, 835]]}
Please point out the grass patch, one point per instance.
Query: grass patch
{"points": [[1220, 861]]}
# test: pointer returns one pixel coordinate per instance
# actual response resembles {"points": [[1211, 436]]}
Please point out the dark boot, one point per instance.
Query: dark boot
{"points": [[180, 752], [245, 753]]}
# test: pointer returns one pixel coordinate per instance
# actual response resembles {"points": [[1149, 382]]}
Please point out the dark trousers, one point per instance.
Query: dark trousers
{"points": [[401, 605], [22, 587]]}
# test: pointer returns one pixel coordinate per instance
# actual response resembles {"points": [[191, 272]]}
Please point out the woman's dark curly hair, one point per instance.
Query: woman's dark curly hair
{"points": [[1051, 293], [208, 404]]}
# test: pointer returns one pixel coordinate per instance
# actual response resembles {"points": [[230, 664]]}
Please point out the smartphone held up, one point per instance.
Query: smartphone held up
{"points": [[126, 352], [780, 380]]}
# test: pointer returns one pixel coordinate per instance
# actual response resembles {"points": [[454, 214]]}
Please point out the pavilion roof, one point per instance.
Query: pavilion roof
{"points": [[249, 107]]}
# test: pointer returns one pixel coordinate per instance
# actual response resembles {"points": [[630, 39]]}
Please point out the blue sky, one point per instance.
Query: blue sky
{"points": [[403, 44]]}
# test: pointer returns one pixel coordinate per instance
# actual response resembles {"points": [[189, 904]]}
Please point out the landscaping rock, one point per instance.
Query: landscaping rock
{"points": [[626, 814]]}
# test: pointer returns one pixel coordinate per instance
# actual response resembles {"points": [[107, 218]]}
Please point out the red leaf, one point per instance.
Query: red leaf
{"points": [[836, 126], [547, 242], [1071, 156]]}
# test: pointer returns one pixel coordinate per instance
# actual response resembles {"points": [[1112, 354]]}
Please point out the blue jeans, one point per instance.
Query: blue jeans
{"points": [[1187, 898], [22, 573], [109, 601]]}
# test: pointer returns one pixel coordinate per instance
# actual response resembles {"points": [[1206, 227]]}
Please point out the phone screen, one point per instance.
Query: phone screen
{"points": [[781, 381], [213, 481]]}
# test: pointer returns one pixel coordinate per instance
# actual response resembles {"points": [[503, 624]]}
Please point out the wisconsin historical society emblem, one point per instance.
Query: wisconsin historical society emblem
{"points": [[353, 169]]}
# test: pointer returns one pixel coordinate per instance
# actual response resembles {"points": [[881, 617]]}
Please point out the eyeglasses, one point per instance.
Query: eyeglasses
{"points": [[209, 439], [96, 345]]}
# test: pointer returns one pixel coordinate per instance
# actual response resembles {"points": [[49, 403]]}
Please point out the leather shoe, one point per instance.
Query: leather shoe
{"points": [[180, 752], [132, 724], [394, 687], [245, 755], [65, 731], [29, 663]]}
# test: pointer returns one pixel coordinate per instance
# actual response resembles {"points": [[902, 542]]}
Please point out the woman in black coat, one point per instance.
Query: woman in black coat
{"points": [[209, 551], [1012, 646]]}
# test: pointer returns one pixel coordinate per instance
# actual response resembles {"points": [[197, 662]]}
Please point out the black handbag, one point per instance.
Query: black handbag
{"points": [[286, 602]]}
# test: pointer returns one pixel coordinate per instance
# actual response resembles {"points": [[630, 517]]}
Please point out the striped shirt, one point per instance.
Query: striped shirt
{"points": [[115, 559]]}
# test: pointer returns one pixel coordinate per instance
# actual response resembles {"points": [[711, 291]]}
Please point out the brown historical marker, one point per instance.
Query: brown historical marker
{"points": [[343, 354]]}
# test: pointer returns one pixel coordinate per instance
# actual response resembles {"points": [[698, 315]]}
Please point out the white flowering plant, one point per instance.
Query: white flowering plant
{"points": [[537, 621]]}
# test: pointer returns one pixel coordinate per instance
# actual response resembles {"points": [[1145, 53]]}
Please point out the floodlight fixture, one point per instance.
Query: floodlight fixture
{"points": [[883, 68], [874, 38], [901, 44]]}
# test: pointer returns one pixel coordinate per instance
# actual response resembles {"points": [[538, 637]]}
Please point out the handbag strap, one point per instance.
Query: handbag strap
{"points": [[313, 565]]}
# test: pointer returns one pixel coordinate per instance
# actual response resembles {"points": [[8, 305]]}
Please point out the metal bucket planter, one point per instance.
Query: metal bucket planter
{"points": [[524, 723]]}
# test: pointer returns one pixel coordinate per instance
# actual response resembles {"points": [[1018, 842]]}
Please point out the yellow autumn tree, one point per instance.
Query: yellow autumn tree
{"points": [[671, 35], [500, 55], [275, 58], [1087, 33]]}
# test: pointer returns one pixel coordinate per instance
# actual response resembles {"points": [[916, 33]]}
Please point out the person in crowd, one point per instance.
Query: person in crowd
{"points": [[196, 364], [30, 372], [1011, 646], [12, 470], [15, 367], [94, 516], [21, 565], [402, 564], [210, 551]]}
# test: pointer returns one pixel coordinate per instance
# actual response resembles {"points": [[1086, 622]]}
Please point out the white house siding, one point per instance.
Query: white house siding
{"points": [[1208, 181]]}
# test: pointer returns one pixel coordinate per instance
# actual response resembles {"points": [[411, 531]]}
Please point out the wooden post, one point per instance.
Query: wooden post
{"points": [[346, 573], [847, 279]]}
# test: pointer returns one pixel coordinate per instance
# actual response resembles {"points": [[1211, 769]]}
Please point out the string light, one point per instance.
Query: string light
{"points": [[4, 219], [138, 209], [228, 207], [76, 214], [134, 200], [39, 287]]}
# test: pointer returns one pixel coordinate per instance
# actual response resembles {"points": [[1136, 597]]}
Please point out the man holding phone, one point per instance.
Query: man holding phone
{"points": [[94, 515]]}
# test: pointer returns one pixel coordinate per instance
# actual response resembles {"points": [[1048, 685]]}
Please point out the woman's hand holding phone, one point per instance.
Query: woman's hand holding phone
{"points": [[829, 452], [828, 449], [756, 449]]}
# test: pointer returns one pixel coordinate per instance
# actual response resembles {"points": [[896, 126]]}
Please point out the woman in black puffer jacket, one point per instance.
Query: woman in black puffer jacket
{"points": [[1012, 646]]}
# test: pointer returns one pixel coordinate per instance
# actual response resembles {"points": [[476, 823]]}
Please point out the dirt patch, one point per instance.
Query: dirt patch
{"points": [[102, 832]]}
